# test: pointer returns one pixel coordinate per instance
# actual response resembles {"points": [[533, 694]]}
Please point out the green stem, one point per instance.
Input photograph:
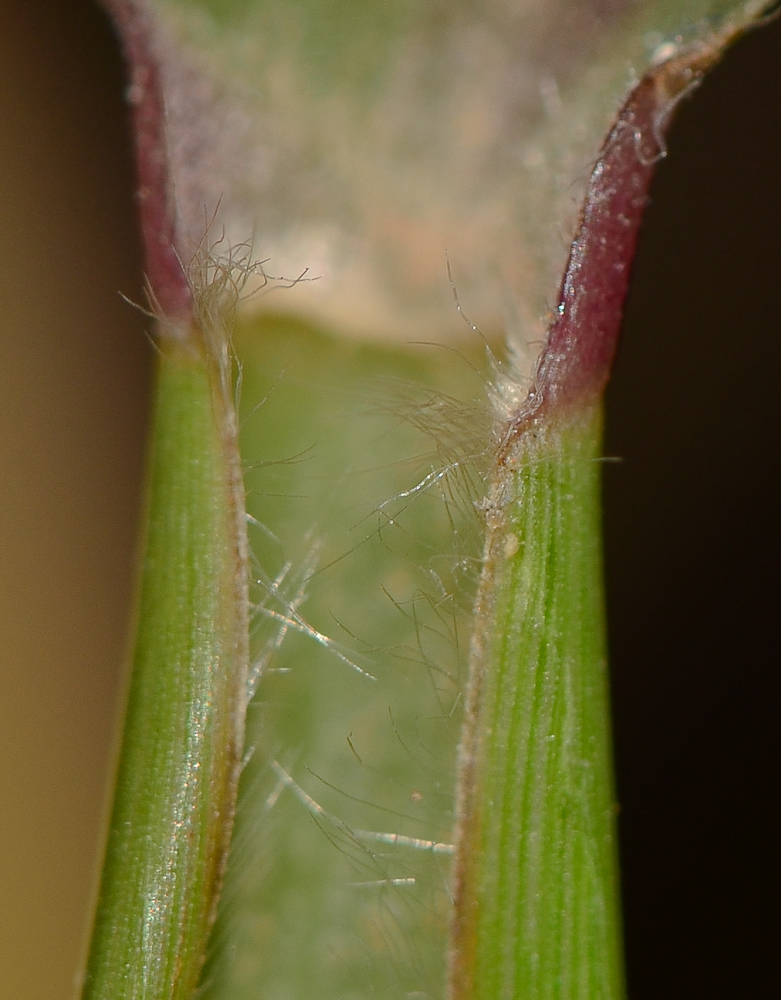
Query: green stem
{"points": [[537, 912], [183, 738]]}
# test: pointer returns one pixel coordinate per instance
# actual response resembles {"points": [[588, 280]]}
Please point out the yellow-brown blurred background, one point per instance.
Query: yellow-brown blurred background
{"points": [[73, 388], [73, 384]]}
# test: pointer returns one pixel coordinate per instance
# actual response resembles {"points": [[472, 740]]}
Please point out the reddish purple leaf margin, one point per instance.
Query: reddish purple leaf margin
{"points": [[169, 289], [575, 363]]}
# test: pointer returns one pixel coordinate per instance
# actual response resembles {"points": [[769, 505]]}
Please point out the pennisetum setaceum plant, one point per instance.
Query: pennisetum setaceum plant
{"points": [[334, 132]]}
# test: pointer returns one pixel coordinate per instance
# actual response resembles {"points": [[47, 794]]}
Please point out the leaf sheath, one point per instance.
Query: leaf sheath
{"points": [[183, 738], [537, 910]]}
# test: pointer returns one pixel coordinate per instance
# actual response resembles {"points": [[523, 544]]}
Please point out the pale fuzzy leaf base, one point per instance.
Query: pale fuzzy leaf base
{"points": [[366, 142]]}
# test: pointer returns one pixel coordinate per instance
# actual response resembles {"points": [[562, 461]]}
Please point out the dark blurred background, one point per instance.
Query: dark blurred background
{"points": [[694, 553], [692, 537]]}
